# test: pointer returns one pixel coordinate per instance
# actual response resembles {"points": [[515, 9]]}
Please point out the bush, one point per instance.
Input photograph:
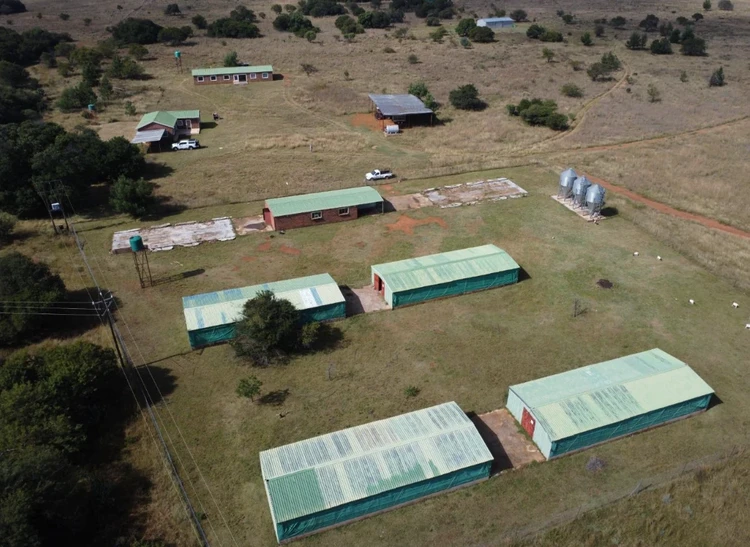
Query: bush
{"points": [[548, 54], [618, 22], [172, 9], [26, 287], [518, 15], [465, 26], [129, 109], [694, 46], [568, 18], [586, 39], [411, 391], [136, 31], [725, 5], [539, 112], [76, 97], [654, 95], [465, 42], [231, 59], [571, 90], [697, 17], [433, 22], [174, 36], [11, 6], [137, 51], [296, 23], [131, 197], [637, 41], [124, 68], [199, 21], [276, 8], [466, 97], [374, 19], [535, 31], [413, 59], [239, 24], [611, 62], [599, 31], [717, 78], [482, 35], [661, 47], [650, 23], [321, 8], [706, 5], [420, 90], [674, 37], [347, 25], [551, 36], [7, 224], [438, 34], [249, 387]]}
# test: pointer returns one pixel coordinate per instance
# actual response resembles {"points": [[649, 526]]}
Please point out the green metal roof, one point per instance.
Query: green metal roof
{"points": [[331, 470], [599, 395], [219, 71], [334, 199], [167, 118], [439, 268], [225, 307]]}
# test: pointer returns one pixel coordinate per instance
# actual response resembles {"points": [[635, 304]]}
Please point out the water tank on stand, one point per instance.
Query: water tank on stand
{"points": [[136, 244]]}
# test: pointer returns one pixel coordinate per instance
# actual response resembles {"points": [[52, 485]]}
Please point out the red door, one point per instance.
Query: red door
{"points": [[379, 287], [528, 422]]}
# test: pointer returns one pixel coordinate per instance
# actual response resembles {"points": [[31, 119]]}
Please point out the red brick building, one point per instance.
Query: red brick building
{"points": [[321, 208], [238, 75]]}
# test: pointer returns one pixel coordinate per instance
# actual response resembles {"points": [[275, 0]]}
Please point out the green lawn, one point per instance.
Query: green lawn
{"points": [[468, 349]]}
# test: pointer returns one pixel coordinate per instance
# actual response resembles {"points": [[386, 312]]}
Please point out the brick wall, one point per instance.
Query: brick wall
{"points": [[305, 219], [220, 79]]}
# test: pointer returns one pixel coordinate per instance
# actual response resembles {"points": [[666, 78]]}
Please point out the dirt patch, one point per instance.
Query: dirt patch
{"points": [[605, 283], [360, 244], [409, 201], [249, 258], [289, 250], [407, 224], [248, 225], [264, 246], [368, 120], [510, 448], [667, 210]]}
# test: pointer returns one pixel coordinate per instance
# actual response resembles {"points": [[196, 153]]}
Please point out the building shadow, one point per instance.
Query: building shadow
{"points": [[208, 125], [277, 77], [523, 275], [501, 460], [715, 401], [388, 207], [609, 212], [353, 303]]}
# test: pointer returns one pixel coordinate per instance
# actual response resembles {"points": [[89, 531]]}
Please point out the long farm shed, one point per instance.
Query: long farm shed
{"points": [[586, 406], [446, 274], [333, 479], [211, 317]]}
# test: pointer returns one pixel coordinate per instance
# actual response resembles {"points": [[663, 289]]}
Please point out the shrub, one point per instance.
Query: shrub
{"points": [[683, 77], [697, 17], [310, 35], [7, 224], [413, 59], [599, 31], [618, 22], [665, 29], [518, 15], [466, 97], [548, 54], [355, 9], [465, 26], [586, 39], [568, 18], [11, 6], [650, 23], [597, 71], [239, 24], [105, 89], [90, 74], [535, 31], [136, 31], [172, 9], [76, 97], [124, 68], [674, 37], [465, 42], [637, 41], [199, 21], [64, 16], [347, 25], [290, 8], [129, 109], [539, 112], [661, 47], [231, 59], [419, 89], [577, 66], [276, 8], [717, 78], [706, 5], [174, 36], [654, 95], [725, 5], [296, 23], [438, 34], [571, 90], [411, 391], [694, 46], [374, 19], [682, 20], [131, 197], [137, 51], [249, 387], [611, 62], [433, 21], [321, 8], [551, 36], [482, 35]]}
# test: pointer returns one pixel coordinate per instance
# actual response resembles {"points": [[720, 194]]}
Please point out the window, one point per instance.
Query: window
{"points": [[180, 123], [213, 78], [316, 215], [253, 75], [344, 211], [227, 77], [200, 78], [265, 75]]}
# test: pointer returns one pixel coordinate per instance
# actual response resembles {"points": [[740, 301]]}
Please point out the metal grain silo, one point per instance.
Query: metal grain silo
{"points": [[566, 183], [595, 198], [580, 187]]}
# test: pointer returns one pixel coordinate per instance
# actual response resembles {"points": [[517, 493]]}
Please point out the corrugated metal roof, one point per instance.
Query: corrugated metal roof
{"points": [[399, 105], [167, 118], [497, 20], [225, 307], [218, 71], [334, 199], [439, 268], [598, 395], [331, 470], [153, 135]]}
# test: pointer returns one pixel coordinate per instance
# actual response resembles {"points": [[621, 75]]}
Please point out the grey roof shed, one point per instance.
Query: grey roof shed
{"points": [[399, 105]]}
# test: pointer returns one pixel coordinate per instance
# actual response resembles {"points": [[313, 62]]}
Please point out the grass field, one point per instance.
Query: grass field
{"points": [[686, 150], [467, 349]]}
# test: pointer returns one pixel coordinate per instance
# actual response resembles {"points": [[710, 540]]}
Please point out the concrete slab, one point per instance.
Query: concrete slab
{"points": [[364, 300], [248, 225], [165, 237], [471, 193], [409, 201], [511, 448], [583, 213]]}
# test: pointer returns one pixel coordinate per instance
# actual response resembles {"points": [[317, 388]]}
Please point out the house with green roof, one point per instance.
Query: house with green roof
{"points": [[321, 207], [586, 406], [155, 126], [333, 479], [238, 75], [423, 278]]}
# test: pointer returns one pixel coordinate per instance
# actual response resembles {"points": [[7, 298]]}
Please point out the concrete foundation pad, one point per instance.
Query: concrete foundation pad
{"points": [[511, 448], [249, 225], [583, 213], [165, 237], [471, 193], [409, 201], [364, 300]]}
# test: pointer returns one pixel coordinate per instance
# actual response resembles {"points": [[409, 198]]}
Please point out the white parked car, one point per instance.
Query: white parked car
{"points": [[187, 144], [377, 174]]}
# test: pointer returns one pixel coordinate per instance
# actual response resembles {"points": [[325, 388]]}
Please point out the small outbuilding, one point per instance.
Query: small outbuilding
{"points": [[211, 317], [496, 22], [340, 477], [402, 110], [173, 122], [415, 280], [238, 75], [321, 207], [586, 406]]}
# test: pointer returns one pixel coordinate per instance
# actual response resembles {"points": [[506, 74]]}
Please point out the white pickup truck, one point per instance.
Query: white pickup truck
{"points": [[188, 144], [377, 174]]}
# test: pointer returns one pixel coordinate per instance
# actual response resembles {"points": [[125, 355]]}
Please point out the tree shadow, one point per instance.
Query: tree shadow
{"points": [[156, 170], [329, 338], [163, 207], [158, 382], [274, 398]]}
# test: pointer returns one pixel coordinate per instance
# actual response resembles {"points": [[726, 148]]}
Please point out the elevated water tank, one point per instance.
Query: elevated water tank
{"points": [[136, 244], [566, 183], [580, 187]]}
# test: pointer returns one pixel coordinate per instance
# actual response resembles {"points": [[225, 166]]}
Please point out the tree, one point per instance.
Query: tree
{"points": [[717, 78], [571, 90], [465, 26], [296, 23], [706, 5], [120, 159], [518, 15], [124, 68], [199, 21], [7, 224], [597, 71], [271, 328], [654, 95], [76, 97], [535, 31], [11, 6], [87, 21], [419, 89], [661, 47], [136, 31], [611, 62], [726, 5], [548, 54], [466, 97], [276, 8], [618, 22], [539, 112], [172, 9], [674, 37], [694, 46], [231, 59], [249, 387], [636, 41], [105, 89], [137, 52], [650, 23], [131, 197], [26, 287], [586, 39], [90, 74], [482, 35], [697, 17], [308, 69], [551, 36], [174, 36], [568, 18]]}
